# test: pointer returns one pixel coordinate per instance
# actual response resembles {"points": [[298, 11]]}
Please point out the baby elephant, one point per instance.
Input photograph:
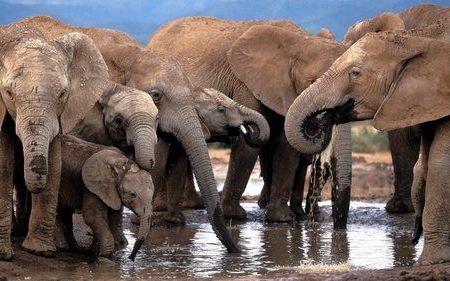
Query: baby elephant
{"points": [[98, 180]]}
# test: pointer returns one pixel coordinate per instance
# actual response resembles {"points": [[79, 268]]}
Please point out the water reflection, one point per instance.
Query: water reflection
{"points": [[373, 239]]}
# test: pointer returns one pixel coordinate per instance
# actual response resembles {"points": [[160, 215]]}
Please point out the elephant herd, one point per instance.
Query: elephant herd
{"points": [[91, 120]]}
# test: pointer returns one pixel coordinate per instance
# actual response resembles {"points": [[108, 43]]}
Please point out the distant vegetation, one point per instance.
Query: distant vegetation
{"points": [[367, 139]]}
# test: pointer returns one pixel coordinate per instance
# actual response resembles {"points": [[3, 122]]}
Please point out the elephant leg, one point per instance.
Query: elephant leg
{"points": [[6, 194], [341, 168], [436, 214], [242, 162], [43, 212], [265, 160], [95, 214], [404, 145], [284, 167], [64, 238], [116, 227], [418, 198], [298, 189], [159, 175], [176, 179], [191, 198], [23, 197]]}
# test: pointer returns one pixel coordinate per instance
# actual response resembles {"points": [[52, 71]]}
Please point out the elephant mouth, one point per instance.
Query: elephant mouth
{"points": [[249, 131]]}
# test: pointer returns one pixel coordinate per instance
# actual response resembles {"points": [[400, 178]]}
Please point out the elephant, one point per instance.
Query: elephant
{"points": [[98, 179], [418, 197], [220, 117], [398, 80], [404, 143], [262, 65], [47, 87], [162, 77]]}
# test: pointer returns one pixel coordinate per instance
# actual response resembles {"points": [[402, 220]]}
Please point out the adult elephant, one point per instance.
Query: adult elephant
{"points": [[262, 65], [47, 87], [162, 77], [399, 81], [404, 143]]}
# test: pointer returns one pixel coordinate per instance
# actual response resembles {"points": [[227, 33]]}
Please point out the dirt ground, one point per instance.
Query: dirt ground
{"points": [[372, 180]]}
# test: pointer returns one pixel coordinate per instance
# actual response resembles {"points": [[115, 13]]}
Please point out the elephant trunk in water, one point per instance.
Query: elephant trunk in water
{"points": [[309, 120], [256, 128], [143, 137], [35, 131], [144, 229], [191, 137]]}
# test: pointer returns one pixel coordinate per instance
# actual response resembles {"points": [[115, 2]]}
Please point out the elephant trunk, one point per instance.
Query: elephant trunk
{"points": [[143, 137], [144, 229], [35, 132], [310, 119], [191, 137], [256, 130]]}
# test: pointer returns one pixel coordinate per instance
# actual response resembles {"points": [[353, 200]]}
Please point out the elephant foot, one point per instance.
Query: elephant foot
{"points": [[434, 256], [6, 252], [39, 247], [193, 201], [120, 241], [175, 217], [160, 202], [233, 210], [399, 205], [279, 213], [298, 212]]}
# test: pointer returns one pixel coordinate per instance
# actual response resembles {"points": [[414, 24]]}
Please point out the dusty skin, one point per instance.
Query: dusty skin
{"points": [[368, 186]]}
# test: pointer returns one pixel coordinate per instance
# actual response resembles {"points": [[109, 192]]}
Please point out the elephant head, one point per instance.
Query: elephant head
{"points": [[381, 22], [130, 119], [47, 87], [162, 77], [397, 80], [221, 116], [277, 65], [116, 180]]}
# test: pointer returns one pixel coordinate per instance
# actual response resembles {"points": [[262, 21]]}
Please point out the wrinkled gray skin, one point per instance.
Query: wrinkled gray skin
{"points": [[162, 77], [221, 118], [418, 196], [98, 180], [262, 65], [398, 79], [47, 87], [404, 143]]}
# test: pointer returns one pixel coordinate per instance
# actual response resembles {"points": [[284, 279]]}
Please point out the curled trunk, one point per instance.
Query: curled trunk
{"points": [[191, 137], [143, 137], [257, 130], [310, 119]]}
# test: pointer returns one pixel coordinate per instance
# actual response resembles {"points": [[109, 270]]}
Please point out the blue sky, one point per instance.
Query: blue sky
{"points": [[140, 18]]}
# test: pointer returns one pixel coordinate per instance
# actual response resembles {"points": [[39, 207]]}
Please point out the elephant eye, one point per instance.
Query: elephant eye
{"points": [[355, 72], [221, 108], [311, 81], [156, 95], [118, 120], [62, 94], [133, 194], [9, 94]]}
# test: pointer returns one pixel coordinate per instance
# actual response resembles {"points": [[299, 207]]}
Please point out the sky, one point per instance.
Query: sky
{"points": [[141, 18]]}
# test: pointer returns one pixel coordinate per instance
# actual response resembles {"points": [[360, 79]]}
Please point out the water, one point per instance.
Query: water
{"points": [[374, 239]]}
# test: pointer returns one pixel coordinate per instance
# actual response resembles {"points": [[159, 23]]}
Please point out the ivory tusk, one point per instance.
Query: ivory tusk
{"points": [[243, 129]]}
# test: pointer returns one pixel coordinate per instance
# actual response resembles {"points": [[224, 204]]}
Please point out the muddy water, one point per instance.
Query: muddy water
{"points": [[374, 239]]}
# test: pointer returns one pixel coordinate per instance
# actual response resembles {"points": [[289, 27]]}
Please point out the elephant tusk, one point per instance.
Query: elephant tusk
{"points": [[251, 129], [243, 129]]}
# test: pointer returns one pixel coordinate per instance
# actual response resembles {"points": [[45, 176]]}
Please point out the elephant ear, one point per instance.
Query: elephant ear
{"points": [[88, 78], [261, 58], [417, 96], [101, 175]]}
